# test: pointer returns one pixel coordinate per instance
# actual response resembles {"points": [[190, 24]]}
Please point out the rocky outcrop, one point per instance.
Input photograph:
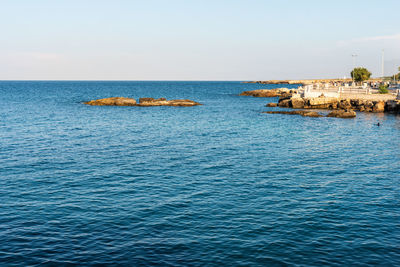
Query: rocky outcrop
{"points": [[147, 102], [285, 103], [342, 113], [143, 102], [321, 103], [296, 102], [333, 103], [304, 113], [113, 101], [271, 105], [284, 92], [393, 106], [270, 82], [316, 102], [367, 105]]}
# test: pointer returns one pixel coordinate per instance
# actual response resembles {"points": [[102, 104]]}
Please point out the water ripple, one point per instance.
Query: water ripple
{"points": [[221, 184]]}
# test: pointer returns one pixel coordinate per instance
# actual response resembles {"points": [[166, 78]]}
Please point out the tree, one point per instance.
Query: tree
{"points": [[398, 75], [383, 89], [360, 74]]}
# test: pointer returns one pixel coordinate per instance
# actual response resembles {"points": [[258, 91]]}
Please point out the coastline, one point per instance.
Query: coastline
{"points": [[305, 99], [311, 81]]}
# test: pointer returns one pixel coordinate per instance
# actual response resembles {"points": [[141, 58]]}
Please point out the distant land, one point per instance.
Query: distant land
{"points": [[311, 81]]}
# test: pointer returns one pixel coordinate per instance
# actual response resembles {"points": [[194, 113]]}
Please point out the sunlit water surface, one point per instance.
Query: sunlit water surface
{"points": [[218, 184]]}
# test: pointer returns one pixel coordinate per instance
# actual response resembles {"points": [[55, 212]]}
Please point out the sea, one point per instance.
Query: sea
{"points": [[221, 184]]}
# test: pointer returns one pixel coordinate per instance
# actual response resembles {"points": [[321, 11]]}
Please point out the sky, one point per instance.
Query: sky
{"points": [[196, 39]]}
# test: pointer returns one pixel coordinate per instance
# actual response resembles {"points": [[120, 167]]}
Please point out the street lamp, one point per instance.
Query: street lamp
{"points": [[383, 64], [354, 56]]}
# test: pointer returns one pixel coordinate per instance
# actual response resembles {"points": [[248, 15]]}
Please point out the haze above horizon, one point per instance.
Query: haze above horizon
{"points": [[196, 40]]}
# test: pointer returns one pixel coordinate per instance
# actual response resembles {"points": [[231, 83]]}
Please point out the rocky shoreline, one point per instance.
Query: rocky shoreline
{"points": [[343, 106], [334, 103], [143, 102]]}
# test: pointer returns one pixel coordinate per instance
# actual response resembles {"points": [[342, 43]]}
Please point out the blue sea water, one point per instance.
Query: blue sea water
{"points": [[215, 185]]}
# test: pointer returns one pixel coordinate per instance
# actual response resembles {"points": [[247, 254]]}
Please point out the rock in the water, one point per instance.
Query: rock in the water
{"points": [[297, 102], [393, 106], [285, 103], [269, 92], [143, 102], [322, 102], [379, 106], [113, 101], [147, 102], [344, 104], [311, 114], [272, 105], [341, 113], [304, 113]]}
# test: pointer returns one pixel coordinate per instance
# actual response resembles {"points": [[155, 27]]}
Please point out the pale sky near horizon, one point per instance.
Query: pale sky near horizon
{"points": [[195, 40]]}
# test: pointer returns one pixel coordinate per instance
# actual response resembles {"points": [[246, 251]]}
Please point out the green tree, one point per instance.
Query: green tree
{"points": [[396, 76], [383, 89], [360, 74]]}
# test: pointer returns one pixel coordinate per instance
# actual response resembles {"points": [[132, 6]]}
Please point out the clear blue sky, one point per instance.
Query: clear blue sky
{"points": [[195, 40]]}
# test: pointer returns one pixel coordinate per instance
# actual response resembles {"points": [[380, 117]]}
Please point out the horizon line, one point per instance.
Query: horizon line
{"points": [[117, 80]]}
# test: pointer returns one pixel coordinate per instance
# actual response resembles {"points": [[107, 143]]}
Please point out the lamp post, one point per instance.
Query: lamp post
{"points": [[383, 64], [354, 56]]}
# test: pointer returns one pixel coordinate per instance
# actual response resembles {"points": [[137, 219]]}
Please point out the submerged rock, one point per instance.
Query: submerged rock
{"points": [[271, 105], [304, 113], [143, 102], [341, 113]]}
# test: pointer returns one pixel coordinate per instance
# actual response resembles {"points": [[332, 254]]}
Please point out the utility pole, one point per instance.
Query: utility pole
{"points": [[383, 64], [354, 56]]}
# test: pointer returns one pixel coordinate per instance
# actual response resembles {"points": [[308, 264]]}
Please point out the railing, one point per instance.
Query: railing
{"points": [[335, 91], [341, 89]]}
